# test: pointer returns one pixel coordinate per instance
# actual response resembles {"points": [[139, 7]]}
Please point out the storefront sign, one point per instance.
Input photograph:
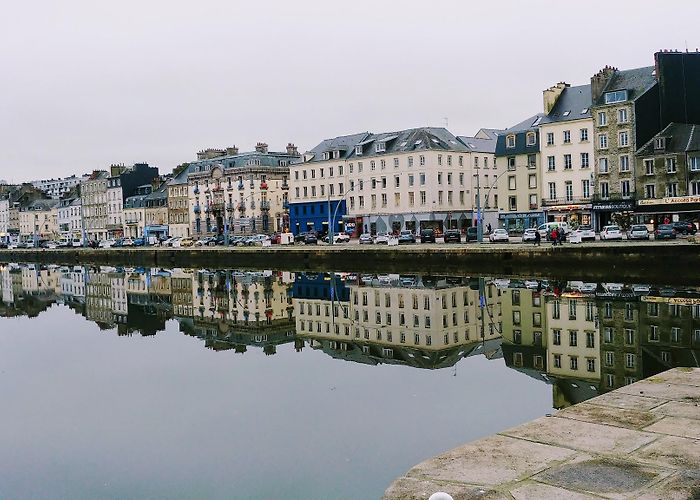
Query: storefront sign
{"points": [[518, 215], [614, 205], [569, 207], [670, 201], [683, 301]]}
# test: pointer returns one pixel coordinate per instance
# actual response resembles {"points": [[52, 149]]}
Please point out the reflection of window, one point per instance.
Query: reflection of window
{"points": [[573, 362], [516, 317], [557, 361], [536, 319]]}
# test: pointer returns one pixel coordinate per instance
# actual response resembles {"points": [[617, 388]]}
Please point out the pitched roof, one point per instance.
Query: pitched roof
{"points": [[574, 103], [636, 81], [680, 138], [344, 143], [478, 145]]}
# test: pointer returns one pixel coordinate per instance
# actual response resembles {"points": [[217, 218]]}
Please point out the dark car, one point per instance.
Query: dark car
{"points": [[406, 236], [452, 236], [684, 227], [427, 236], [118, 243], [139, 242], [665, 232], [310, 239], [471, 234]]}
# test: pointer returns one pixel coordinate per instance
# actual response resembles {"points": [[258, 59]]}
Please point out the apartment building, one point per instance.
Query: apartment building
{"points": [[524, 329], [156, 210], [93, 193], [518, 161], [70, 220], [56, 188], [121, 184], [240, 193], [178, 204], [668, 176], [38, 220], [620, 347], [567, 154], [135, 212]]}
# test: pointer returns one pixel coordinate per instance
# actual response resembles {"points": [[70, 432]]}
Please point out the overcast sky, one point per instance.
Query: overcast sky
{"points": [[85, 84]]}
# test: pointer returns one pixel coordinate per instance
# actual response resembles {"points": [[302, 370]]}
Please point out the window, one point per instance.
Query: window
{"points": [[660, 143], [550, 138], [695, 188], [625, 189], [583, 134], [586, 188], [630, 360], [584, 160], [422, 197], [650, 191], [531, 139], [567, 162], [552, 191], [624, 163], [380, 147], [695, 164], [569, 188], [623, 139], [604, 190], [532, 181], [622, 115], [629, 336], [671, 165], [653, 333], [672, 189], [590, 340], [551, 163], [615, 96], [512, 203], [510, 141], [440, 160], [511, 163], [602, 118], [557, 361], [649, 167], [421, 178], [608, 335], [573, 338], [590, 364], [567, 136], [573, 362], [603, 141], [532, 161], [421, 160], [511, 182], [515, 297], [516, 317], [609, 358], [410, 161], [603, 167], [556, 337]]}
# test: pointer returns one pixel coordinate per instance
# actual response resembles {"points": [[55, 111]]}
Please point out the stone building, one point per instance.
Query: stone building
{"points": [[178, 205], [93, 193], [121, 184], [70, 219], [135, 212], [156, 210]]}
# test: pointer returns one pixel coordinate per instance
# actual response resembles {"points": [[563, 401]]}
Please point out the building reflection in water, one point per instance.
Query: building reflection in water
{"points": [[581, 338]]}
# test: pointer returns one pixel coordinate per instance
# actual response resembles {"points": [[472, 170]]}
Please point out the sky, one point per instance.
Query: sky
{"points": [[86, 84]]}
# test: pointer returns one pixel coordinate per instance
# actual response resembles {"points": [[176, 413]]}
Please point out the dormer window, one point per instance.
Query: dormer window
{"points": [[510, 141], [531, 139], [380, 147], [336, 154], [660, 143], [326, 155], [615, 96], [358, 150]]}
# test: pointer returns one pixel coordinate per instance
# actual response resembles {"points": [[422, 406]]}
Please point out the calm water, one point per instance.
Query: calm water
{"points": [[188, 383]]}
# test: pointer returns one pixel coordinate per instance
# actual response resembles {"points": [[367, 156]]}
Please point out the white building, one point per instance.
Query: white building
{"points": [[56, 188], [4, 218], [70, 221]]}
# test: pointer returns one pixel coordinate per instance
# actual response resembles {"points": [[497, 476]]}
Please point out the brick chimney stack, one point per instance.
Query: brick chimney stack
{"points": [[551, 95], [599, 81], [261, 147], [292, 150], [231, 151]]}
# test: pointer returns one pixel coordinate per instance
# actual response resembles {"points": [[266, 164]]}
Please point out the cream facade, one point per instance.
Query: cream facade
{"points": [[38, 220], [94, 205]]}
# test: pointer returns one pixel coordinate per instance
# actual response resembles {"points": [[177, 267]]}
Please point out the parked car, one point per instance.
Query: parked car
{"points": [[139, 242], [585, 232], [209, 241], [299, 238], [472, 234], [665, 232], [170, 242], [52, 245], [337, 238], [310, 239], [366, 239], [452, 236], [499, 235], [406, 236], [529, 234], [546, 228], [258, 240], [127, 242], [427, 236], [638, 232], [684, 227], [187, 242], [381, 239], [610, 233], [109, 243]]}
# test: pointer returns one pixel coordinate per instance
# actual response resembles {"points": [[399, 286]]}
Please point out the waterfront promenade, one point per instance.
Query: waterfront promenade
{"points": [[639, 441]]}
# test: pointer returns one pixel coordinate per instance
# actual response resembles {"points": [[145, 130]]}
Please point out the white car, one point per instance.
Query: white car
{"points": [[529, 234], [499, 235], [588, 288], [585, 233], [127, 242], [341, 238], [638, 232], [106, 243], [611, 233], [381, 239]]}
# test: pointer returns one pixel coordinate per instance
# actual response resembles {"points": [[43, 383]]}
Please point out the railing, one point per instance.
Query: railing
{"points": [[613, 197], [230, 207], [240, 186], [241, 207], [285, 205], [285, 185], [264, 205]]}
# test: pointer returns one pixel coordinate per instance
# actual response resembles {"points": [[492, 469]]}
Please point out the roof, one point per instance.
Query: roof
{"points": [[488, 133], [574, 103], [41, 205], [270, 159], [479, 145], [680, 138], [636, 81], [520, 130], [344, 143]]}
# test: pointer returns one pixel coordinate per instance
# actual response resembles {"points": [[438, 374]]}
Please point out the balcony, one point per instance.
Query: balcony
{"points": [[285, 186], [196, 190], [217, 206], [285, 205], [264, 205], [230, 207], [573, 200], [240, 186]]}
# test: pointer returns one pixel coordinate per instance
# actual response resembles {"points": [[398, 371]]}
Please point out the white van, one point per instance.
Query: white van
{"points": [[546, 228]]}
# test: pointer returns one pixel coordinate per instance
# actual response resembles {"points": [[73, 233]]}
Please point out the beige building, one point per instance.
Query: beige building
{"points": [[135, 212], [93, 192], [39, 220], [567, 166], [179, 205]]}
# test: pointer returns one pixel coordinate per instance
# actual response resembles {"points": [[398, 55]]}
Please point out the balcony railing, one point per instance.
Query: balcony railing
{"points": [[565, 201], [264, 205], [240, 186], [285, 185], [241, 207], [285, 205]]}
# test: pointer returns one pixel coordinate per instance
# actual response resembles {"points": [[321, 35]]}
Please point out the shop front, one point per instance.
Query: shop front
{"points": [[574, 215], [603, 211], [517, 222], [667, 210]]}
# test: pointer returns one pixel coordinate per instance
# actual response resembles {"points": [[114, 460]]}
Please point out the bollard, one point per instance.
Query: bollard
{"points": [[440, 495]]}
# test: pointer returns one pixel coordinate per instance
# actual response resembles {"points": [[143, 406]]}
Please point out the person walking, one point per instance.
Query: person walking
{"points": [[538, 238], [562, 236], [554, 236]]}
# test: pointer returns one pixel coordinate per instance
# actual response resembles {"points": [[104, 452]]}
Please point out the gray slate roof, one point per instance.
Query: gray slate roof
{"points": [[636, 81], [41, 205], [344, 143], [573, 100], [530, 123], [478, 145], [680, 138]]}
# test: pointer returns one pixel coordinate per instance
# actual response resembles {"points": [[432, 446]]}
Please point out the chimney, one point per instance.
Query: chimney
{"points": [[599, 81], [201, 155], [551, 95], [116, 169], [232, 151], [261, 147], [292, 150], [156, 182]]}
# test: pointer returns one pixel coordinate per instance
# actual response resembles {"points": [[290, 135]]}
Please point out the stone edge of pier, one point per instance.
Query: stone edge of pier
{"points": [[639, 441]]}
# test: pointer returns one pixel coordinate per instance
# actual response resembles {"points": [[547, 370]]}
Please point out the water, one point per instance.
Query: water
{"points": [[155, 383]]}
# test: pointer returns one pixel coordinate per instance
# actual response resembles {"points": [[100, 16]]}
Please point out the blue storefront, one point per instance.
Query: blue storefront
{"points": [[314, 216], [517, 222]]}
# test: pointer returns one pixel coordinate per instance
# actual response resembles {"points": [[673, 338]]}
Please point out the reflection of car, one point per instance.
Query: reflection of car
{"points": [[529, 234], [472, 234], [366, 239], [384, 279], [638, 232], [381, 239], [665, 232], [611, 233], [367, 279], [585, 232], [427, 236], [684, 227], [187, 242], [588, 288], [407, 280], [407, 236], [107, 243], [139, 242], [499, 235], [452, 235]]}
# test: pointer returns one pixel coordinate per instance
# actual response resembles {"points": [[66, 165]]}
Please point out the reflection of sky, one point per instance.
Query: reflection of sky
{"points": [[93, 415]]}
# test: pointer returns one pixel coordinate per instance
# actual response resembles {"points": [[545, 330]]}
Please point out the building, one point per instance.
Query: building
{"points": [[240, 193], [620, 348], [93, 193], [524, 329], [4, 218], [70, 220], [135, 212], [56, 188], [406, 180], [567, 154], [518, 160], [38, 220], [178, 205], [121, 184], [15, 198], [156, 210], [668, 176]]}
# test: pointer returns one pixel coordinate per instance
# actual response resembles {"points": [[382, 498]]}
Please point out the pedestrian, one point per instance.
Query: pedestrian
{"points": [[537, 238], [562, 236], [488, 228], [554, 236]]}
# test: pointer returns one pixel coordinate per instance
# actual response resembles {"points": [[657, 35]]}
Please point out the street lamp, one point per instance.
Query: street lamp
{"points": [[331, 220]]}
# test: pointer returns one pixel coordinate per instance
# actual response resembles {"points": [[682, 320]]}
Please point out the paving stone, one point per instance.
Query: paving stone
{"points": [[684, 376], [676, 426], [490, 461], [663, 390], [676, 409], [533, 490], [408, 488], [683, 485], [619, 417], [617, 399], [672, 452], [584, 436], [612, 478]]}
